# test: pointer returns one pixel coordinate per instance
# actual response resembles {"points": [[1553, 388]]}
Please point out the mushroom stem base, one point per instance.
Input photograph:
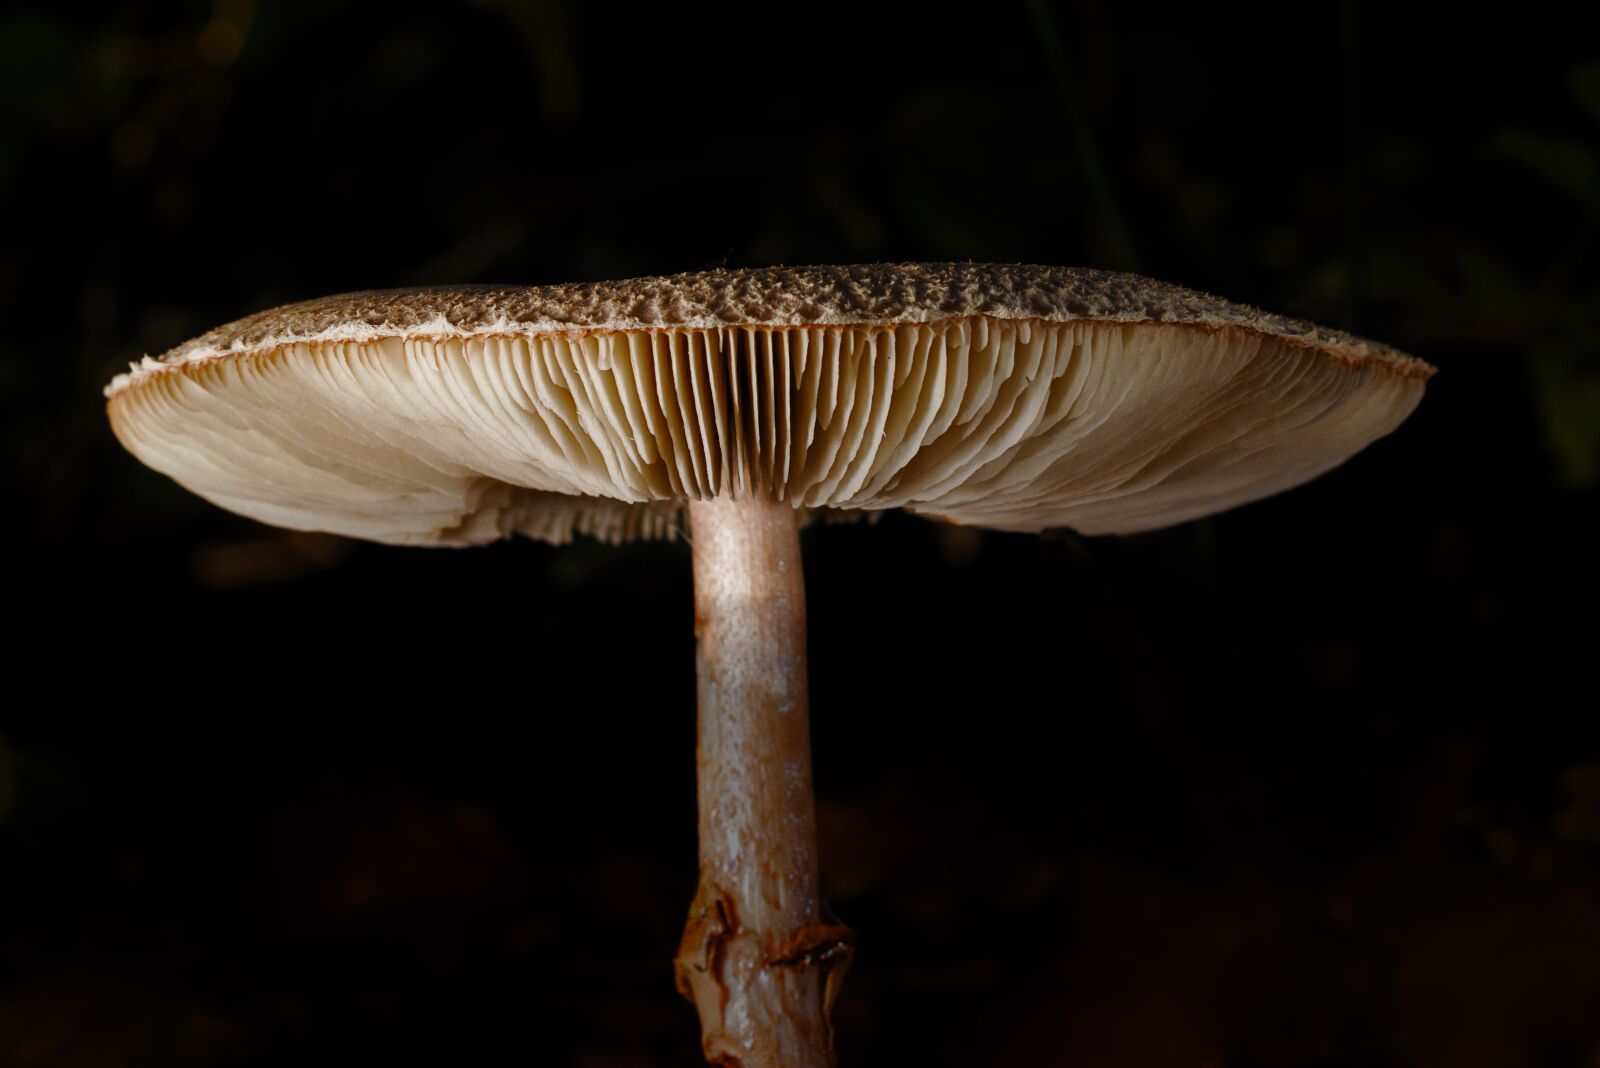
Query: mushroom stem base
{"points": [[759, 958]]}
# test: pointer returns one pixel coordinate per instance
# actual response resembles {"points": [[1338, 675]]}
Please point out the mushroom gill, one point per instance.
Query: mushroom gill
{"points": [[1018, 424]]}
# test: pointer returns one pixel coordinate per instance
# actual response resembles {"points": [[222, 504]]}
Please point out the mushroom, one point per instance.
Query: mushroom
{"points": [[741, 404]]}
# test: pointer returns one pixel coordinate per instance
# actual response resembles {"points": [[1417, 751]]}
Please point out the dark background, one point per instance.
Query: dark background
{"points": [[1315, 782]]}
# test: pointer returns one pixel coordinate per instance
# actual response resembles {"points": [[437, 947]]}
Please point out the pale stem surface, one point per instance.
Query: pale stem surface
{"points": [[759, 959]]}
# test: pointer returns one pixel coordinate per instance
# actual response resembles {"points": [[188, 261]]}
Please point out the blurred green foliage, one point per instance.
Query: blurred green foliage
{"points": [[1560, 304]]}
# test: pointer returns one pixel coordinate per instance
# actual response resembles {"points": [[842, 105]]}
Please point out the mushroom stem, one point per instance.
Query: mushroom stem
{"points": [[760, 959]]}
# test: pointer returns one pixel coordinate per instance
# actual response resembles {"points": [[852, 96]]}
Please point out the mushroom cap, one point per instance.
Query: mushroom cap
{"points": [[1013, 397]]}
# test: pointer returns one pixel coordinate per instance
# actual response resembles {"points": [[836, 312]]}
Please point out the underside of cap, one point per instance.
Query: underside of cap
{"points": [[1009, 397]]}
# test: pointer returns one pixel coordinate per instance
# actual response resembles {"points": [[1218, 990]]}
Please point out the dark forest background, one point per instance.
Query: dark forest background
{"points": [[1312, 783]]}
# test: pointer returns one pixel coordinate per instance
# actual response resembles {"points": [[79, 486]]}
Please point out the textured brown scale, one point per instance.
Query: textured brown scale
{"points": [[775, 296]]}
